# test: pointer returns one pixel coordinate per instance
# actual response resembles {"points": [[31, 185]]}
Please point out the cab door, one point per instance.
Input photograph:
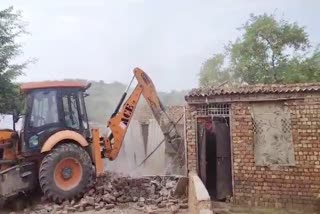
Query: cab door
{"points": [[74, 111], [42, 117]]}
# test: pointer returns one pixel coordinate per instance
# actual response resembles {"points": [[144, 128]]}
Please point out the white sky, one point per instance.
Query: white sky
{"points": [[169, 39]]}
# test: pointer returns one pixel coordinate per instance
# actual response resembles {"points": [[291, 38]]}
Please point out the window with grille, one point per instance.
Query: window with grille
{"points": [[272, 134], [214, 109]]}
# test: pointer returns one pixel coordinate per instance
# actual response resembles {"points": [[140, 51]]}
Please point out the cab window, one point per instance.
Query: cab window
{"points": [[83, 111], [71, 114], [44, 109]]}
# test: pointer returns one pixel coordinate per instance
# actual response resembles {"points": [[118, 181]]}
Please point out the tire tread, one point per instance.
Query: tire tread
{"points": [[50, 190]]}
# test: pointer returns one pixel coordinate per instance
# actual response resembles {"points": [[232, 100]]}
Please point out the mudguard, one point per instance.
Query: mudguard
{"points": [[56, 138]]}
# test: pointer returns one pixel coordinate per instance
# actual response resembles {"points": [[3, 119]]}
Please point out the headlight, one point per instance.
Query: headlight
{"points": [[33, 141]]}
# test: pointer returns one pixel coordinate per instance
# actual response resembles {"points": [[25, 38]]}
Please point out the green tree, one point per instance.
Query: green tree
{"points": [[11, 28], [268, 51], [304, 69], [213, 72]]}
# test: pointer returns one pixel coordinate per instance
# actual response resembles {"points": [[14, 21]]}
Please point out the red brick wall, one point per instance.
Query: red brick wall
{"points": [[296, 186], [191, 138]]}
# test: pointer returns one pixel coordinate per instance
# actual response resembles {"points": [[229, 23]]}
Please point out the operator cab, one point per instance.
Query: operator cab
{"points": [[51, 107]]}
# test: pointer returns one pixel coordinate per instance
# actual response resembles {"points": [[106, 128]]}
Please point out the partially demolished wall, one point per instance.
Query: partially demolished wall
{"points": [[143, 136]]}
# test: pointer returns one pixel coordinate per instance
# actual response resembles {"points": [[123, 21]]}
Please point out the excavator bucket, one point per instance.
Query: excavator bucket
{"points": [[149, 92]]}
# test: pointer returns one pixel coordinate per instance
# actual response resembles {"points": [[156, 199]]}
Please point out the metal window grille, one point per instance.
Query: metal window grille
{"points": [[286, 125], [273, 144], [214, 109], [259, 124]]}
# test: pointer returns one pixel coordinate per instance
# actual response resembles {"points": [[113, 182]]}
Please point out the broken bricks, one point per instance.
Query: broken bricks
{"points": [[112, 190]]}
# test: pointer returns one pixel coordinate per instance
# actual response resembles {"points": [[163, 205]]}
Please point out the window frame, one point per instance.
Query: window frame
{"points": [[30, 103], [83, 110], [280, 106], [69, 93]]}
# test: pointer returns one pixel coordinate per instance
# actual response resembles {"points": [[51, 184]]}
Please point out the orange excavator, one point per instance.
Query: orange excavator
{"points": [[56, 149]]}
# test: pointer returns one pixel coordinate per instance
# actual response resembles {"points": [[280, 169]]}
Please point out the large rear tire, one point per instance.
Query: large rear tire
{"points": [[66, 173]]}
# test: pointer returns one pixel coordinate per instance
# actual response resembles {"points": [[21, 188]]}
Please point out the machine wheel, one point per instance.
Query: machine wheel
{"points": [[66, 173]]}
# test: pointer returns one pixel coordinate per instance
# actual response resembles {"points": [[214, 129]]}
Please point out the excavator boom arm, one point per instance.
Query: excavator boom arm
{"points": [[119, 124], [120, 120]]}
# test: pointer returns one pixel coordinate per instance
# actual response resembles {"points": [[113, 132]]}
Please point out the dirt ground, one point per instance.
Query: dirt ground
{"points": [[128, 209], [223, 208], [112, 211], [124, 211], [121, 209], [117, 210]]}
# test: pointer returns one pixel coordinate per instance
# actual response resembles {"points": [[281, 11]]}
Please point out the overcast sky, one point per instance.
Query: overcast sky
{"points": [[169, 39]]}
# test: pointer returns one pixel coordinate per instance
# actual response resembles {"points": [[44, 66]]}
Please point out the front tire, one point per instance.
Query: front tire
{"points": [[66, 173]]}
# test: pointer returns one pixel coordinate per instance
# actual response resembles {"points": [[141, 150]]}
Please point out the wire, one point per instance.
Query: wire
{"points": [[158, 146], [151, 153]]}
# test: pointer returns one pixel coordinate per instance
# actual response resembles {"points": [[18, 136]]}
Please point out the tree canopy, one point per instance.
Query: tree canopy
{"points": [[11, 28], [213, 71], [268, 51]]}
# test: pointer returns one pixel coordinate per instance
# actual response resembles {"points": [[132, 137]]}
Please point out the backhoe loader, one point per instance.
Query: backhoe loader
{"points": [[56, 149]]}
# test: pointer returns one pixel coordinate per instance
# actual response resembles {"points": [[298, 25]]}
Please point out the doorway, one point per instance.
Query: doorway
{"points": [[214, 155]]}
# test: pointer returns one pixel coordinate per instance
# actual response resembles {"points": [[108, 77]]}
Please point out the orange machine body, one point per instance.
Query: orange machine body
{"points": [[63, 155], [8, 145]]}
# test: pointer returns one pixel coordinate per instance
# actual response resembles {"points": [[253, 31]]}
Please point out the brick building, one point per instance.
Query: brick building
{"points": [[257, 145]]}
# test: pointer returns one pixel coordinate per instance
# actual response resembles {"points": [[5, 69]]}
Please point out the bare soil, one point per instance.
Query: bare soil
{"points": [[225, 208]]}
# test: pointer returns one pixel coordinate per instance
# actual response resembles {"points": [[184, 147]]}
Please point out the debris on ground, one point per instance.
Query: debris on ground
{"points": [[148, 194]]}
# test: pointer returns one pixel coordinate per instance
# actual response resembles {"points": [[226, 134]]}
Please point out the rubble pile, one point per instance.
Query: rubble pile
{"points": [[146, 194]]}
